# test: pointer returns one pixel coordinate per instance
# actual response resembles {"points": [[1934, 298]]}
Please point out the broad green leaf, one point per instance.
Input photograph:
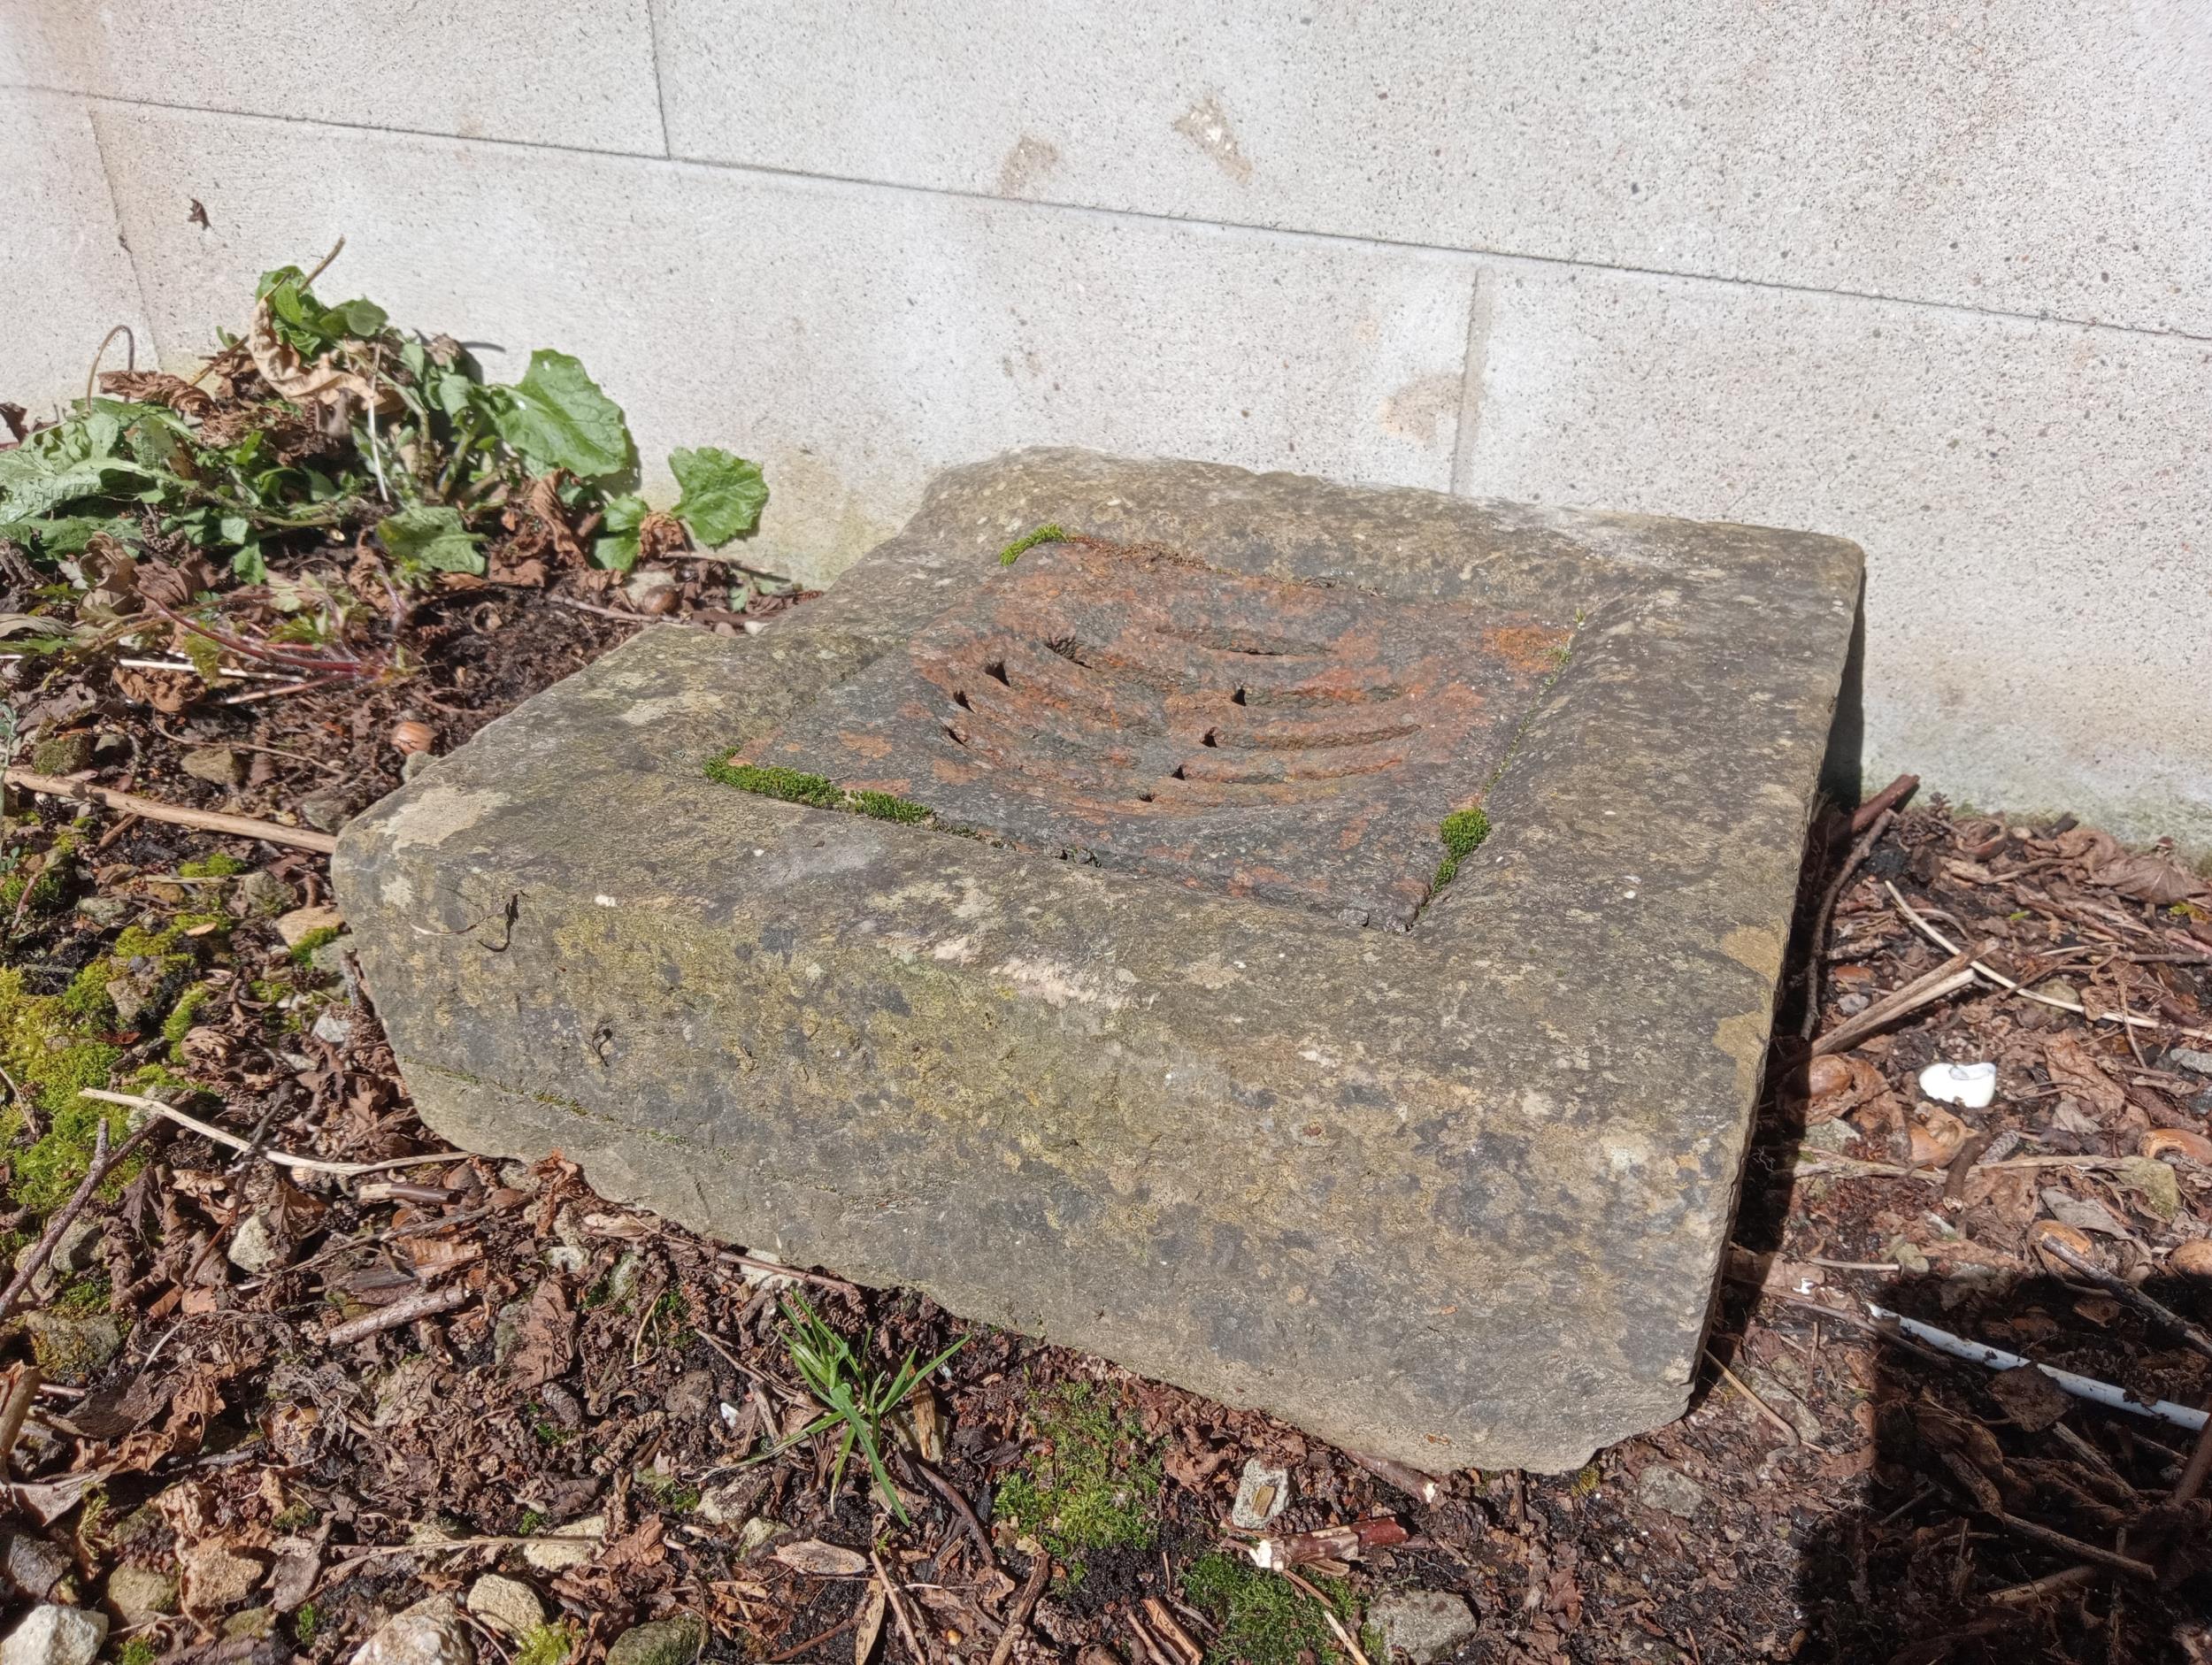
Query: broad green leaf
{"points": [[247, 564], [431, 536], [557, 417], [618, 547], [723, 495], [360, 317]]}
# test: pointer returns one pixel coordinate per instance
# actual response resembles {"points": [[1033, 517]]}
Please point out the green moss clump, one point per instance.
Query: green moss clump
{"points": [[1462, 832], [217, 865], [140, 1650], [1014, 551], [548, 1645], [1264, 1618], [1091, 1486], [793, 785], [46, 887], [303, 950], [53, 1053], [182, 1016]]}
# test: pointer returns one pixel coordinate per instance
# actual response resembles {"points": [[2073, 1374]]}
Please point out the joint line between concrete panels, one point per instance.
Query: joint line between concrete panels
{"points": [[1481, 304]]}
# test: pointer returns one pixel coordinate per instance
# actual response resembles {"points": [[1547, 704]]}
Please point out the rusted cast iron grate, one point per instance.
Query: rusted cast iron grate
{"points": [[1290, 742]]}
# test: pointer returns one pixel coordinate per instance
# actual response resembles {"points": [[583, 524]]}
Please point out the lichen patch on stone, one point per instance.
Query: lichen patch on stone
{"points": [[437, 813]]}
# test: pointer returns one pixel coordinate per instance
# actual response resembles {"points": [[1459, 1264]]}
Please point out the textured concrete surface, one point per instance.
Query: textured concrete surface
{"points": [[2035, 520], [1254, 236], [1454, 1196], [853, 339], [2032, 158], [68, 277], [577, 74]]}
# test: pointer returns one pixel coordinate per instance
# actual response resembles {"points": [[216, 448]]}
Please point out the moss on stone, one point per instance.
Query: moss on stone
{"points": [[52, 1052], [321, 936], [1090, 1485], [1014, 551], [793, 785], [1264, 1619], [1462, 832]]}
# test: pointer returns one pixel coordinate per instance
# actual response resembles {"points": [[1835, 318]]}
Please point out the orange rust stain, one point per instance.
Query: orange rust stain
{"points": [[1529, 648]]}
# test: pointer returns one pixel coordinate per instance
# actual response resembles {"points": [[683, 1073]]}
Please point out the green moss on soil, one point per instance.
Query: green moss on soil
{"points": [[181, 1018], [1014, 551], [1462, 832], [793, 785], [1263, 1618], [215, 866], [303, 950], [1090, 1485]]}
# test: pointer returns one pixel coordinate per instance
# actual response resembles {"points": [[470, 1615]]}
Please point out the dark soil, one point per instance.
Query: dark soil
{"points": [[1877, 1502]]}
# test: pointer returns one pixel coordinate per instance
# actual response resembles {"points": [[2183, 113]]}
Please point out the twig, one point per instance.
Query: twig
{"points": [[322, 265], [1024, 1603], [2036, 1589], [2007, 984], [15, 1404], [1945, 980], [1788, 1430], [1883, 802], [2156, 1311], [2075, 1547], [732, 1258], [1406, 1478], [102, 1165], [428, 1304], [1343, 1637], [282, 1158], [176, 814], [898, 1607], [813, 1642], [1859, 852], [2193, 1477], [950, 1493]]}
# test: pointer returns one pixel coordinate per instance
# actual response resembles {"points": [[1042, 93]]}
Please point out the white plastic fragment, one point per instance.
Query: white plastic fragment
{"points": [[1971, 1085], [2080, 1386]]}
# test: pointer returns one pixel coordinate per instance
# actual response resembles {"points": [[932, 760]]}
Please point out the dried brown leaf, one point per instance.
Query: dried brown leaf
{"points": [[547, 1343], [2075, 1069], [821, 1559]]}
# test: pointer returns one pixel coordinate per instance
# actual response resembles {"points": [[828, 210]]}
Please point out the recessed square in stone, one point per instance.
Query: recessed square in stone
{"points": [[1296, 742], [1455, 1194]]}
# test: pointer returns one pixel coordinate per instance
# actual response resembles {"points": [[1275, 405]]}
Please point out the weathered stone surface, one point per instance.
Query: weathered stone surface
{"points": [[1421, 1625], [1452, 1195]]}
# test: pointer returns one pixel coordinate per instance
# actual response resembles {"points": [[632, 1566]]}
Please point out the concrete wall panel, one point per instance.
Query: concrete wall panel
{"points": [[853, 338], [2046, 158], [571, 72], [2033, 499], [67, 277]]}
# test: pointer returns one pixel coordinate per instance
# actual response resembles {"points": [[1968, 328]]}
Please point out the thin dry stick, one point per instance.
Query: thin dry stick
{"points": [[1789, 1431], [98, 1169], [2156, 1311], [428, 1304], [15, 1404], [1024, 1603], [1859, 853], [2011, 987], [2075, 1547], [282, 1158], [1343, 1637], [176, 814], [898, 1607], [1945, 980], [2193, 1477], [2035, 1590]]}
